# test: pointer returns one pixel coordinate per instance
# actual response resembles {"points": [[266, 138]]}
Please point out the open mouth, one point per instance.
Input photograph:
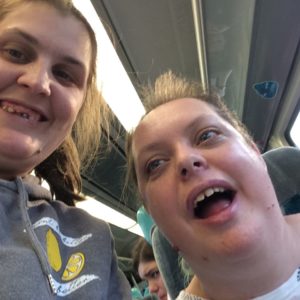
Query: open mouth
{"points": [[23, 112], [212, 201]]}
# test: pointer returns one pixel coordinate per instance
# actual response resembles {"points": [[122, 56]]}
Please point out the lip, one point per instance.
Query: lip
{"points": [[162, 296], [222, 216], [38, 110]]}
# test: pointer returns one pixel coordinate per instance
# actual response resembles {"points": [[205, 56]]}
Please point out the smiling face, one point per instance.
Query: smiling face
{"points": [[148, 271], [206, 188], [44, 66]]}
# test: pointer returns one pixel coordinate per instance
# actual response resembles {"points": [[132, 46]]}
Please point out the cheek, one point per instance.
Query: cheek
{"points": [[242, 160], [157, 198], [163, 209], [160, 279], [156, 209], [67, 107], [249, 171], [7, 75]]}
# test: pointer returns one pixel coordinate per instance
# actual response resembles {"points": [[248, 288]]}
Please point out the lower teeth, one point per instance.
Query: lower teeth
{"points": [[25, 116]]}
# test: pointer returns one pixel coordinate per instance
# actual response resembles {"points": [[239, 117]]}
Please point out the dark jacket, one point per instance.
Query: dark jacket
{"points": [[51, 251]]}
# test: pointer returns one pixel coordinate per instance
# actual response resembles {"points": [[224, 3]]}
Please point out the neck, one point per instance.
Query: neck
{"points": [[269, 265]]}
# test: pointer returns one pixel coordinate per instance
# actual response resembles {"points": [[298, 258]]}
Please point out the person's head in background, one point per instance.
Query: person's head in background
{"points": [[48, 54], [144, 263]]}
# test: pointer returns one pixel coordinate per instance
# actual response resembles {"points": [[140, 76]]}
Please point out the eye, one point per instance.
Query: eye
{"points": [[154, 274], [206, 135], [63, 76], [15, 55], [153, 165]]}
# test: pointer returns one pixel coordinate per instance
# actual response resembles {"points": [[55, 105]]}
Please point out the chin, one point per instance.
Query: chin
{"points": [[15, 148], [241, 242]]}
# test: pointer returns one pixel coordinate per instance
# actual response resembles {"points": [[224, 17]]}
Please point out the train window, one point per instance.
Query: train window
{"points": [[295, 131], [110, 72]]}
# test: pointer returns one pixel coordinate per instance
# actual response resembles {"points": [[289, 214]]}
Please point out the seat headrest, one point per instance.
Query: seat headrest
{"points": [[284, 169], [146, 223], [168, 262]]}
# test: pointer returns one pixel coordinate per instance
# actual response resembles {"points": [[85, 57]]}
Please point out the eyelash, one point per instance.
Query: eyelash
{"points": [[64, 75], [154, 274], [16, 55], [155, 164], [152, 165], [199, 137]]}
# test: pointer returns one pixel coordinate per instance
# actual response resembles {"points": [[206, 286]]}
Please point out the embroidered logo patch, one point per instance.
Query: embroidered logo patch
{"points": [[55, 242], [66, 240], [74, 266], [53, 251]]}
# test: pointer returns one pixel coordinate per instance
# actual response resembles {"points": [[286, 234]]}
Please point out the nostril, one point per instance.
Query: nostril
{"points": [[196, 164], [184, 172]]}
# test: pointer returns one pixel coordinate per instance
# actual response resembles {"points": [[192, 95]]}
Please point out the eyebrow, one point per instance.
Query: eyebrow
{"points": [[24, 35], [31, 39], [197, 121], [146, 275]]}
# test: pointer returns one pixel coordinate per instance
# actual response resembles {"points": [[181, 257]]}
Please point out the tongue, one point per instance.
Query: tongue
{"points": [[213, 207]]}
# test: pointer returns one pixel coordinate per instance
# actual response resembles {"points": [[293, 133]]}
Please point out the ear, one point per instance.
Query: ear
{"points": [[255, 147], [259, 154]]}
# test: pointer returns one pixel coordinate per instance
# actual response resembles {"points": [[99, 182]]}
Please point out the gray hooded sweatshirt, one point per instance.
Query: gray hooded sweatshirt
{"points": [[52, 251]]}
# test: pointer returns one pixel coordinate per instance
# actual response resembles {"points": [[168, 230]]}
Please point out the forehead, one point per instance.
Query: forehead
{"points": [[170, 117], [62, 34]]}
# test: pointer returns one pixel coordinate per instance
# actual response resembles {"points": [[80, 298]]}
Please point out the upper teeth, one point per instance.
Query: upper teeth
{"points": [[11, 109], [206, 193], [8, 109]]}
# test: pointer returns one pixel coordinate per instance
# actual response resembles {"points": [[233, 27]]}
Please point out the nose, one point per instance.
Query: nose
{"points": [[35, 77], [190, 162], [153, 287]]}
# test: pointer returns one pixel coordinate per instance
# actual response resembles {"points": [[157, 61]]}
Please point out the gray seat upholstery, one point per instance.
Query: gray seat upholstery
{"points": [[167, 260], [284, 168]]}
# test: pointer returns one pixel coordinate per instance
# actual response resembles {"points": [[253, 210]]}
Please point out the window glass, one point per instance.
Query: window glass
{"points": [[295, 131], [228, 27]]}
